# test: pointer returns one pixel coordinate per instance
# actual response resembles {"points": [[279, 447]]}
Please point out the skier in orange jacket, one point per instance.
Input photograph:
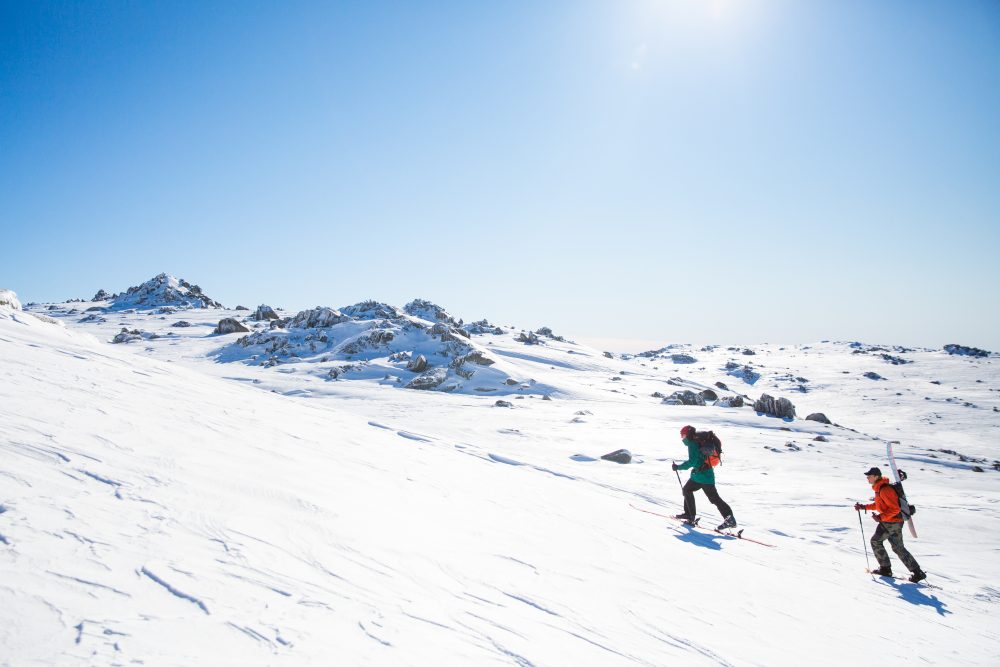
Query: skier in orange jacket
{"points": [[890, 527]]}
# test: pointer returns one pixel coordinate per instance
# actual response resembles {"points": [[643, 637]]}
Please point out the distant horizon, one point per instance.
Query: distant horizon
{"points": [[623, 345], [740, 170]]}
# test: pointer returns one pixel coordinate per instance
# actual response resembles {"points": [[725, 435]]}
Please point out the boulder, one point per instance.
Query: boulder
{"points": [[418, 365], [264, 312], [683, 359], [503, 404], [775, 407], [709, 395], [528, 338], [730, 402], [618, 456], [872, 375], [229, 325], [102, 296], [181, 323], [818, 417]]}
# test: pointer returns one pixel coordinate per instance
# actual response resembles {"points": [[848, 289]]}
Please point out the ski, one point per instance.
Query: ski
{"points": [[899, 480], [737, 535], [922, 584]]}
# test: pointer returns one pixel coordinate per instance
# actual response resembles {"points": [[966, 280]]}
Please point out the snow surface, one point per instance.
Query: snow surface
{"points": [[167, 501]]}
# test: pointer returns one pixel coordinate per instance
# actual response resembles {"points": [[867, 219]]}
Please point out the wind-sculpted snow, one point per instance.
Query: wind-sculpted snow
{"points": [[162, 291], [176, 502]]}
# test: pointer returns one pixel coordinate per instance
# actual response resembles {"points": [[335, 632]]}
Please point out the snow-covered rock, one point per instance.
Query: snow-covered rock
{"points": [[776, 407], [966, 351], [8, 299], [229, 325], [431, 312], [163, 290], [264, 312]]}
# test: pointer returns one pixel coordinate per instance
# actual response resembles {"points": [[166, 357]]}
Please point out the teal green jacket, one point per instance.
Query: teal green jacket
{"points": [[696, 460]]}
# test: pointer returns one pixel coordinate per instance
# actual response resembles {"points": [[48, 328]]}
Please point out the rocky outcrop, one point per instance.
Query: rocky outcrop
{"points": [[229, 325], [482, 327], [429, 380], [264, 312], [102, 295], [418, 365], [775, 407], [8, 299], [965, 351], [686, 397], [743, 372], [373, 310], [683, 359], [164, 290], [317, 318], [431, 312], [730, 402], [127, 336], [546, 332], [818, 417], [528, 338]]}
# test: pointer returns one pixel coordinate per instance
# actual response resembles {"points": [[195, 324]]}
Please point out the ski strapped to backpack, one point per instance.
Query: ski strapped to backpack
{"points": [[709, 446], [906, 510]]}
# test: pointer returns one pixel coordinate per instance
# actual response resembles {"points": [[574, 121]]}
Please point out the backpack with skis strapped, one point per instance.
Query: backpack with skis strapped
{"points": [[905, 508]]}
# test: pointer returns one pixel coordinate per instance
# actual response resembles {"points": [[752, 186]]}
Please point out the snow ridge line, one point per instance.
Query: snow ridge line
{"points": [[174, 591]]}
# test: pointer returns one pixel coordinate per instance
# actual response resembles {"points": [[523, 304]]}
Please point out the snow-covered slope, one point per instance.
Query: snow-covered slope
{"points": [[169, 501]]}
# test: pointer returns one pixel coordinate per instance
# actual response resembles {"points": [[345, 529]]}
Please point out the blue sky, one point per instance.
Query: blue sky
{"points": [[630, 173]]}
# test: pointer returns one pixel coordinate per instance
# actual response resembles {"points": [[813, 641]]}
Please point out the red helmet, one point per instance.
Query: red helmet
{"points": [[686, 431]]}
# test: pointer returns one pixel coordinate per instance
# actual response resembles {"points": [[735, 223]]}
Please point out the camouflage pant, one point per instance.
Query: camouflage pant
{"points": [[894, 533]]}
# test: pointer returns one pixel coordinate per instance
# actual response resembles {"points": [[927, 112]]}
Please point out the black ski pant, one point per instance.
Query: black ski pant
{"points": [[710, 492], [894, 533]]}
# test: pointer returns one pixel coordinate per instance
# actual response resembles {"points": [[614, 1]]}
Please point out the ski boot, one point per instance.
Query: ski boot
{"points": [[883, 572], [730, 522], [919, 575]]}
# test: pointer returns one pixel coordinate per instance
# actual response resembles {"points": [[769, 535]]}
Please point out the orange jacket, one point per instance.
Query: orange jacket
{"points": [[886, 501]]}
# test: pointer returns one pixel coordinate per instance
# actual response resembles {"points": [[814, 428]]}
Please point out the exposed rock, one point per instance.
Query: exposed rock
{"points": [[683, 359], [872, 375], [96, 309], [780, 407], [181, 323], [820, 438], [503, 404], [373, 310], [265, 312], [418, 365], [166, 310], [428, 380], [528, 338], [743, 372], [510, 382], [818, 417], [748, 352], [319, 317], [730, 402], [657, 394], [963, 350], [547, 333], [482, 327], [709, 395], [686, 397], [93, 318], [609, 355], [8, 299], [722, 386], [102, 296], [618, 456], [126, 336], [431, 312], [229, 325]]}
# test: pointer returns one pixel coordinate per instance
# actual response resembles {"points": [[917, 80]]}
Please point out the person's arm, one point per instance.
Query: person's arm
{"points": [[690, 462]]}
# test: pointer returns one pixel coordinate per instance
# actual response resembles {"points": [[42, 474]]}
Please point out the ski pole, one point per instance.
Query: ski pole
{"points": [[865, 543], [679, 482]]}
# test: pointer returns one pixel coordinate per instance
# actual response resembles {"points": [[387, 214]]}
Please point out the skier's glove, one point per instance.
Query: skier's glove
{"points": [[673, 466], [859, 506], [877, 517]]}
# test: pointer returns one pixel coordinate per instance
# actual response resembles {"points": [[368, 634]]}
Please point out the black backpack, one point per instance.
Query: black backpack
{"points": [[710, 447], [905, 508]]}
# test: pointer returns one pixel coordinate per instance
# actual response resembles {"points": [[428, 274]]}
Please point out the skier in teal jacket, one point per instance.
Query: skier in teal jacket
{"points": [[702, 477]]}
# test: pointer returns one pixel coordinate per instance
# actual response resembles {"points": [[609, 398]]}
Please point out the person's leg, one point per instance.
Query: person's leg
{"points": [[880, 553], [895, 531], [689, 505], [713, 497]]}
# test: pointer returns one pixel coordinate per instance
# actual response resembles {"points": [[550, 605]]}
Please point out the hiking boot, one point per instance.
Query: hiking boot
{"points": [[919, 575], [682, 517], [883, 572], [730, 522]]}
